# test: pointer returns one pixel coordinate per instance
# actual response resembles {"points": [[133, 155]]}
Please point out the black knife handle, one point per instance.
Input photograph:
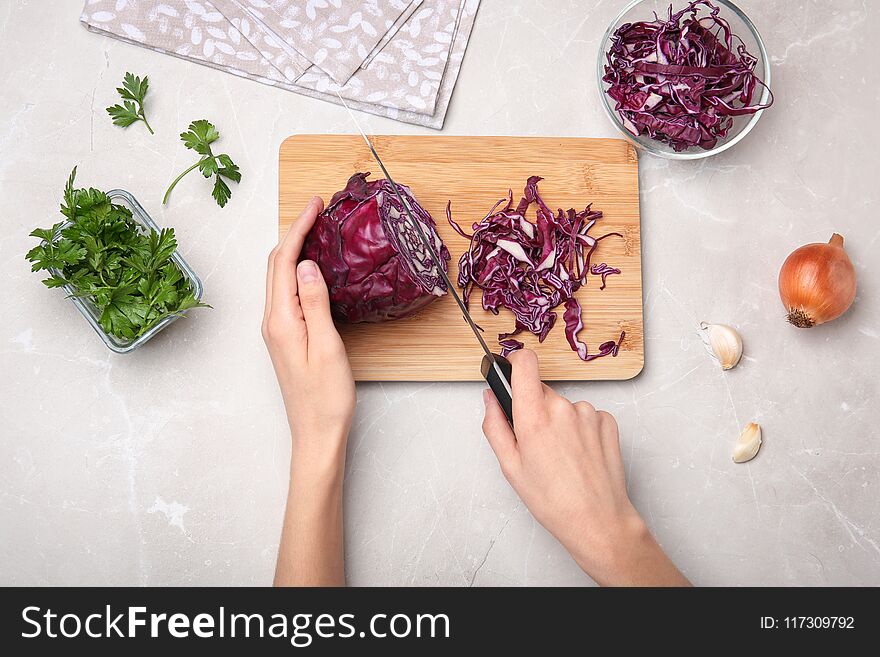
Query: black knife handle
{"points": [[497, 385]]}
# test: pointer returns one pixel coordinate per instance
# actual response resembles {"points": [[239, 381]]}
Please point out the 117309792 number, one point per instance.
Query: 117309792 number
{"points": [[818, 622]]}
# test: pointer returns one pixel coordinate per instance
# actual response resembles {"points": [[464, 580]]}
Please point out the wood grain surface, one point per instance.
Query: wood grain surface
{"points": [[475, 172]]}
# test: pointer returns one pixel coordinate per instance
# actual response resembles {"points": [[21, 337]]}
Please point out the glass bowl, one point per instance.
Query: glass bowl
{"points": [[740, 25], [90, 311]]}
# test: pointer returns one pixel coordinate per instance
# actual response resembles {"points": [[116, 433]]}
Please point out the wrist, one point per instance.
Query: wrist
{"points": [[631, 545], [609, 555], [316, 490], [631, 556], [321, 467], [318, 457]]}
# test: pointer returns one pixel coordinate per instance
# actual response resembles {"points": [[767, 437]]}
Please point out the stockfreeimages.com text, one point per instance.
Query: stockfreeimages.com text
{"points": [[299, 629]]}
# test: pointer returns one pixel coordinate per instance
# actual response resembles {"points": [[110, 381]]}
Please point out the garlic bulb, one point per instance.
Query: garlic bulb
{"points": [[748, 443], [724, 343]]}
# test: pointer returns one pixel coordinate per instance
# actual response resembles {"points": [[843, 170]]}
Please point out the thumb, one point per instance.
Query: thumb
{"points": [[500, 435], [315, 302]]}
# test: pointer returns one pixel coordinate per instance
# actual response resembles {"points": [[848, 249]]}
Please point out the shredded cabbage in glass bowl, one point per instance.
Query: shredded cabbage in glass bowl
{"points": [[683, 79]]}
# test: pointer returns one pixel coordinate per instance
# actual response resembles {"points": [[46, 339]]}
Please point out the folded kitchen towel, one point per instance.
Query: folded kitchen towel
{"points": [[447, 84], [407, 74], [334, 35], [286, 61], [394, 29]]}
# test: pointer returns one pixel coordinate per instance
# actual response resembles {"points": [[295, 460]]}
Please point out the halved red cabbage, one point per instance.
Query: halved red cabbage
{"points": [[375, 264], [680, 81], [532, 268]]}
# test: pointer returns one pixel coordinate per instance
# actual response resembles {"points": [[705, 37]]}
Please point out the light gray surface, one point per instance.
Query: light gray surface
{"points": [[169, 465]]}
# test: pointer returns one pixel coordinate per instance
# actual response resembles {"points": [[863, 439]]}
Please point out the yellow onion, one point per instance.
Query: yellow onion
{"points": [[817, 283]]}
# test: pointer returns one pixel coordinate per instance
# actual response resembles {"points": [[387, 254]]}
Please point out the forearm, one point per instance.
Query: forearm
{"points": [[311, 549]]}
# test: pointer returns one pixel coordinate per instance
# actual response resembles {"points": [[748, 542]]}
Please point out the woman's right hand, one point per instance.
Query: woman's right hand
{"points": [[564, 462]]}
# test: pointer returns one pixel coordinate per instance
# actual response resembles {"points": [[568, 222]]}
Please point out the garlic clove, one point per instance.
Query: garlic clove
{"points": [[724, 344], [748, 443]]}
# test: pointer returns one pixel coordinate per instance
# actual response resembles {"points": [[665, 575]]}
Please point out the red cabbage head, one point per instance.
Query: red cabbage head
{"points": [[371, 256]]}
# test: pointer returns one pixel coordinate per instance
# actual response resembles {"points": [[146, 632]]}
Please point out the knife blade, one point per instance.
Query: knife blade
{"points": [[495, 369]]}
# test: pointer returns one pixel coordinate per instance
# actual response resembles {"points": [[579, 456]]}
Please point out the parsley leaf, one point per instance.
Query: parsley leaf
{"points": [[221, 192], [102, 254], [199, 137], [132, 91]]}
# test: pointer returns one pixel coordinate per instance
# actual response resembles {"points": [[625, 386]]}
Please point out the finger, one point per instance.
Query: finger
{"points": [[608, 421], [270, 270], [528, 391], [525, 380], [591, 428], [609, 434], [288, 250], [499, 434], [609, 438], [315, 302], [302, 225]]}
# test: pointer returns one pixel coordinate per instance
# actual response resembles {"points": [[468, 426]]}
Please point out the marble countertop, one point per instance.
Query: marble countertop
{"points": [[169, 465]]}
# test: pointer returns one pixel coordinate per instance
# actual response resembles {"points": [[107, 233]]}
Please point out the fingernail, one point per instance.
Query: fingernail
{"points": [[307, 271], [486, 397], [315, 200]]}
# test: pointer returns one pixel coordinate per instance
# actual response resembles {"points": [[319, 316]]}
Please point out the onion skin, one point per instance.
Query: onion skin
{"points": [[817, 283]]}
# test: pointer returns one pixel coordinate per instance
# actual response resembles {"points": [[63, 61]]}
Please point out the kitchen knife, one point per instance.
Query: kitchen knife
{"points": [[494, 368]]}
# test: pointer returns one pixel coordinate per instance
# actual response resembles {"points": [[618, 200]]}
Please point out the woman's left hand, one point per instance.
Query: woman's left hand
{"points": [[308, 355]]}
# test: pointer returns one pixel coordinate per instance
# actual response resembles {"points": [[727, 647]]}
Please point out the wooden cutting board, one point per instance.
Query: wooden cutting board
{"points": [[475, 172]]}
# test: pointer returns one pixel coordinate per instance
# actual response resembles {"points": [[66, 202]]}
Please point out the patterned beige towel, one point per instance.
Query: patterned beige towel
{"points": [[408, 75]]}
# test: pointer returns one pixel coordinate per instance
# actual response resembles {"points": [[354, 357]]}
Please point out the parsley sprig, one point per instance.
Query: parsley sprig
{"points": [[104, 256], [199, 137], [133, 90]]}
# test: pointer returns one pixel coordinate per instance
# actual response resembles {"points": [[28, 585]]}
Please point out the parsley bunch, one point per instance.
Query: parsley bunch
{"points": [[104, 256], [199, 137], [133, 90]]}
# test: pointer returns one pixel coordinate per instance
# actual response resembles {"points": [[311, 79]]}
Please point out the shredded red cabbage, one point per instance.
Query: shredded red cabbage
{"points": [[679, 81], [532, 268], [604, 271]]}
